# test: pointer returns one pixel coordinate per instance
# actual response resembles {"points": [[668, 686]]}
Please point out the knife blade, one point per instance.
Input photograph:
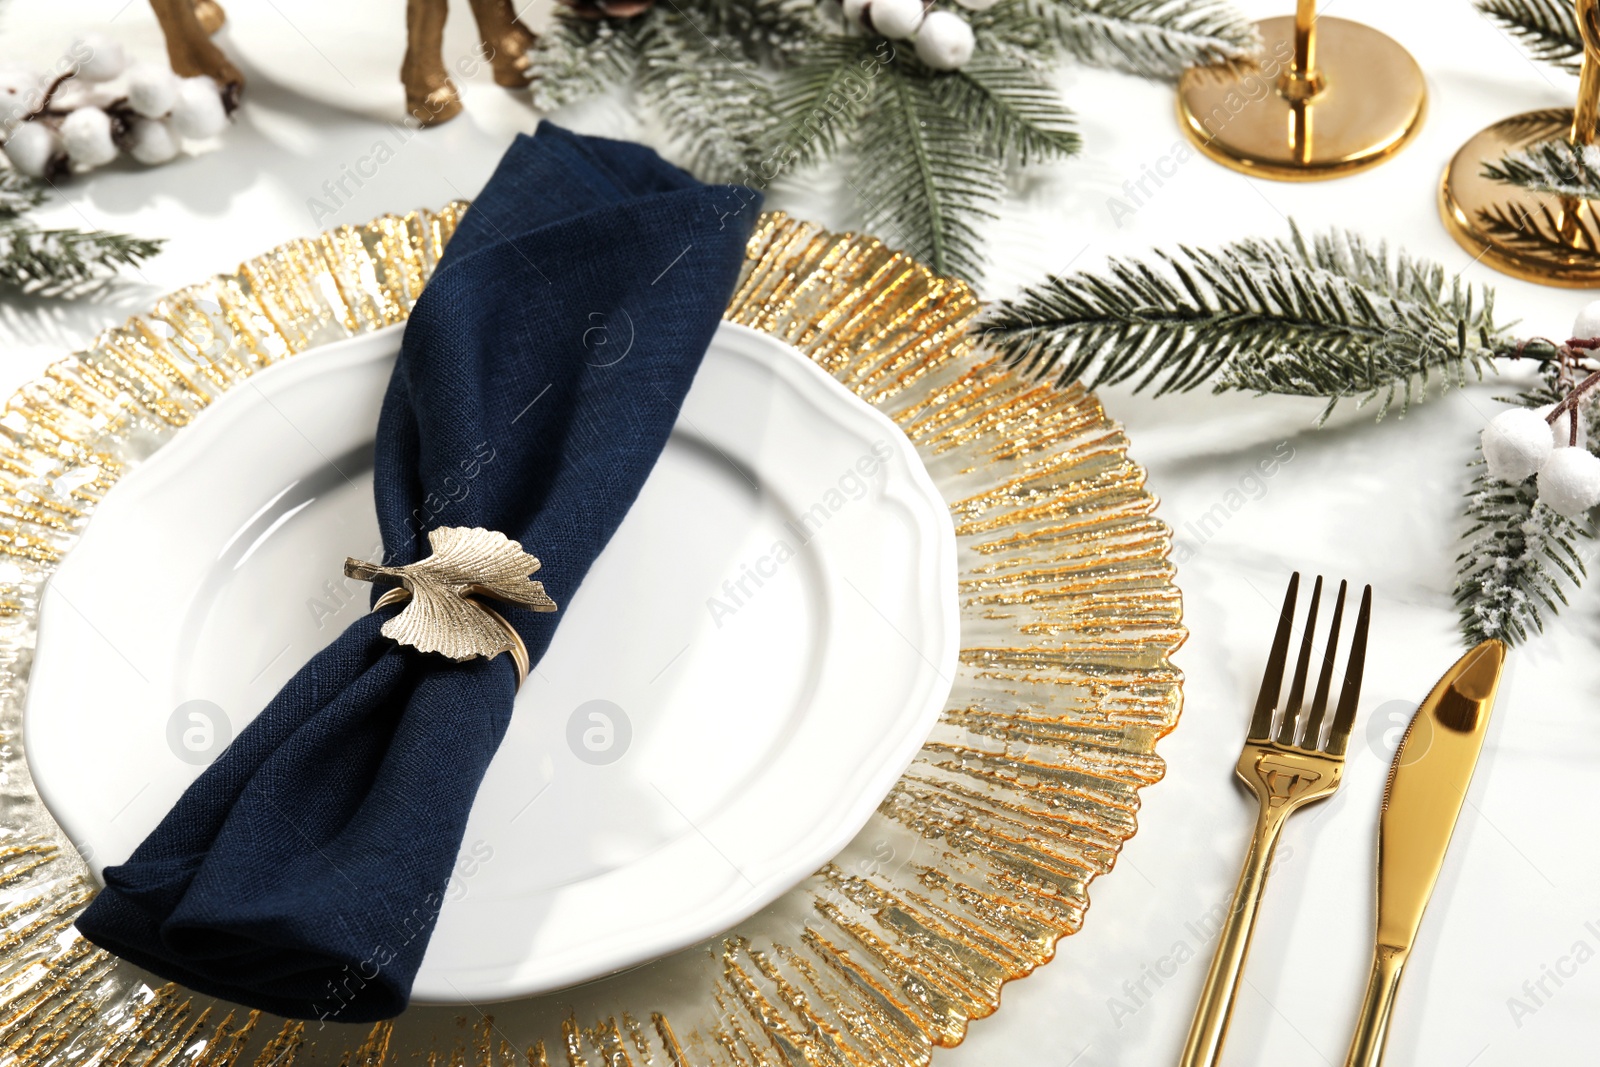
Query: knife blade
{"points": [[1427, 785], [1422, 800]]}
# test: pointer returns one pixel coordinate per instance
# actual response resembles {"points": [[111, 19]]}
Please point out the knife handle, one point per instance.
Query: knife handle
{"points": [[1372, 1027], [1211, 1015]]}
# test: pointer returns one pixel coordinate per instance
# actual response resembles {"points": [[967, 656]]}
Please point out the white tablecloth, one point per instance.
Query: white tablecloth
{"points": [[1504, 971]]}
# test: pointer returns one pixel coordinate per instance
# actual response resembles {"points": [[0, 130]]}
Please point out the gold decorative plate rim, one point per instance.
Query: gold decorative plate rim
{"points": [[969, 873]]}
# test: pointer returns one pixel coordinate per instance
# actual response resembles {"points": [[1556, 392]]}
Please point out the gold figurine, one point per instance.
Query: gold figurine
{"points": [[1327, 97], [1548, 237], [431, 96]]}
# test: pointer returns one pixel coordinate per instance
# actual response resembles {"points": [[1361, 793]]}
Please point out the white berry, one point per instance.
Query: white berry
{"points": [[853, 10], [198, 112], [944, 40], [30, 148], [897, 19], [1587, 325], [152, 90], [1516, 444], [21, 90], [152, 141], [86, 135], [977, 5], [98, 57], [1569, 481]]}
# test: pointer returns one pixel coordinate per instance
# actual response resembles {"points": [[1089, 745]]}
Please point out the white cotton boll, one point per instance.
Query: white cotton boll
{"points": [[21, 90], [1587, 325], [1561, 429], [74, 94], [152, 90], [895, 18], [1569, 481], [98, 57], [944, 40], [152, 141], [101, 96], [198, 112], [30, 148], [1516, 444], [86, 135]]}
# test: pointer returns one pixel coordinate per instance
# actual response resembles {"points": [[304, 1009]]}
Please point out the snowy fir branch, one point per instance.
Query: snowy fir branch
{"points": [[1546, 29], [1557, 166], [57, 261], [924, 112], [1332, 317]]}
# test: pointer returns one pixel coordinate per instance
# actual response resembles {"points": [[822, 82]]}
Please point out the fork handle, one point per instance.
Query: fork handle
{"points": [[1210, 1026], [1372, 1027]]}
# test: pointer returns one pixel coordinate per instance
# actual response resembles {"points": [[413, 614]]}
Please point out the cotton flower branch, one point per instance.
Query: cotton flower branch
{"points": [[91, 107], [98, 106]]}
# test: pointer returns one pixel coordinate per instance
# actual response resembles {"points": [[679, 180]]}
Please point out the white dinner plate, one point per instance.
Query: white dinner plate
{"points": [[746, 671]]}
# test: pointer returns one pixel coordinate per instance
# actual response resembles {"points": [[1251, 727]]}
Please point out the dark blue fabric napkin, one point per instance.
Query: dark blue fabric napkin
{"points": [[302, 873]]}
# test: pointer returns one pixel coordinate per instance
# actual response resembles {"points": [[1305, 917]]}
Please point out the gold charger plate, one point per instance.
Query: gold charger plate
{"points": [[970, 871]]}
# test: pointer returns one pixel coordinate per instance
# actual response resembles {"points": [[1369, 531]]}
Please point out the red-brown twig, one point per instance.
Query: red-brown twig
{"points": [[1570, 403]]}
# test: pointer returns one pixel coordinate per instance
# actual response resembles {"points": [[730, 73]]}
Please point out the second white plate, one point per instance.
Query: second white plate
{"points": [[746, 671]]}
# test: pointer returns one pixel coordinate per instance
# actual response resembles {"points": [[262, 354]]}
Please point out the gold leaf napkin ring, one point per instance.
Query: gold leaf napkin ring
{"points": [[443, 614]]}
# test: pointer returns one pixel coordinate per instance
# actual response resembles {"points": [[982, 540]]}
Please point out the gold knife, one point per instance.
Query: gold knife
{"points": [[1427, 786]]}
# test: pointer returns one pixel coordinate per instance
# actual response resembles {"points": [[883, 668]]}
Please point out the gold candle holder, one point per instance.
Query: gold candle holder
{"points": [[1329, 97], [1538, 237]]}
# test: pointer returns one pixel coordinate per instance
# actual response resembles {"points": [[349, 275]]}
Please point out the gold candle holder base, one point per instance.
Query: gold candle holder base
{"points": [[1353, 100], [1538, 237]]}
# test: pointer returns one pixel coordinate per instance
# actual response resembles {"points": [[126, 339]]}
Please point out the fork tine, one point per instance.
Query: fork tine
{"points": [[1293, 707], [1272, 681], [1350, 694], [1319, 703]]}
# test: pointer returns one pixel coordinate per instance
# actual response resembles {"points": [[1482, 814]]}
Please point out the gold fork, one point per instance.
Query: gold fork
{"points": [[1286, 772]]}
